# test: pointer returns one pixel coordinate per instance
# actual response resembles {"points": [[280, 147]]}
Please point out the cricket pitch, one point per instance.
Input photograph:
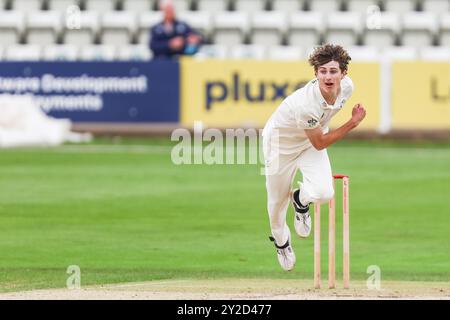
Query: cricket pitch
{"points": [[241, 289]]}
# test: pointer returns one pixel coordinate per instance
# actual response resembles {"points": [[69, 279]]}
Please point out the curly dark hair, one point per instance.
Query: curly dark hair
{"points": [[329, 52]]}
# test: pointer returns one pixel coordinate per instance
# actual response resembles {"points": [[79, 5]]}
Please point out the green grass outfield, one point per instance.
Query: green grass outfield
{"points": [[122, 212]]}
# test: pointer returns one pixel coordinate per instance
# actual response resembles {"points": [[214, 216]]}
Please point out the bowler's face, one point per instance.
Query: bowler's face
{"points": [[330, 76]]}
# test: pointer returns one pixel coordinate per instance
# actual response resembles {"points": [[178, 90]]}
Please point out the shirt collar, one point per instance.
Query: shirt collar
{"points": [[338, 104]]}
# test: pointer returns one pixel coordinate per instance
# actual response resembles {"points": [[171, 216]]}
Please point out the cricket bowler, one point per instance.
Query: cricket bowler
{"points": [[296, 137]]}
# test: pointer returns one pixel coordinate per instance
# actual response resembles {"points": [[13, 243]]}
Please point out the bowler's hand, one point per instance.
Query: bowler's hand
{"points": [[358, 113]]}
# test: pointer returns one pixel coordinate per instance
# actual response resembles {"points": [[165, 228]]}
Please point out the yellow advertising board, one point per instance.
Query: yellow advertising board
{"points": [[244, 93], [420, 95]]}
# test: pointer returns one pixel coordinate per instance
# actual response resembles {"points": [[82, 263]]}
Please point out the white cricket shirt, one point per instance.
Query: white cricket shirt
{"points": [[305, 108]]}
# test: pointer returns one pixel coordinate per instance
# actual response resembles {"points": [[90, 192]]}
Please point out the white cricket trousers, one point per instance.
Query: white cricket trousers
{"points": [[280, 170]]}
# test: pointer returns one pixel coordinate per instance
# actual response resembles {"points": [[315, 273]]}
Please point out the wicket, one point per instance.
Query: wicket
{"points": [[331, 238]]}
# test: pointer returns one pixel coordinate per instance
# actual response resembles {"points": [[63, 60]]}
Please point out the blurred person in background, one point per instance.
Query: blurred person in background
{"points": [[296, 137], [171, 37]]}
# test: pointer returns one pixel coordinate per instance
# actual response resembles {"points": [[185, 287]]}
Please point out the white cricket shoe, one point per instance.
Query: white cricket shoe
{"points": [[302, 219], [285, 254]]}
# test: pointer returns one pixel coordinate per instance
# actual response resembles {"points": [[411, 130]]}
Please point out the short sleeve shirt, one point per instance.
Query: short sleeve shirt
{"points": [[305, 109]]}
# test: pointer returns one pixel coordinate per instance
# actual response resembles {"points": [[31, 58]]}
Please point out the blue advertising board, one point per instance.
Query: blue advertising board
{"points": [[98, 91]]}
